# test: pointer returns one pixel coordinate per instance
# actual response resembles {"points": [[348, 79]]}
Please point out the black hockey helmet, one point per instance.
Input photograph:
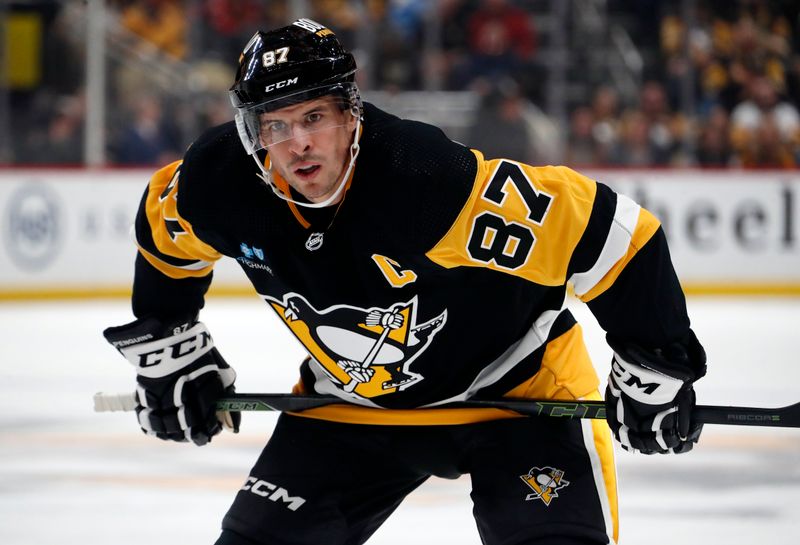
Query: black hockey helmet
{"points": [[286, 66]]}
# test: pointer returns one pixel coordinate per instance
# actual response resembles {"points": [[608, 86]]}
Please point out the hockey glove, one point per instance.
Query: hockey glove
{"points": [[650, 397], [179, 377]]}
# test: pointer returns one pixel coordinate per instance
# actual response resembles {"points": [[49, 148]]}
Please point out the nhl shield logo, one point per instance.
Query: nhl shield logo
{"points": [[545, 483], [314, 241]]}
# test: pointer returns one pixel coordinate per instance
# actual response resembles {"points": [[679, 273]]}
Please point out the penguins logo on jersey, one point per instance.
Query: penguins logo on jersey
{"points": [[545, 483], [365, 351]]}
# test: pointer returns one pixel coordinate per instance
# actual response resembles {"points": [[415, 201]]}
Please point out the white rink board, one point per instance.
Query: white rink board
{"points": [[722, 226], [68, 230], [71, 229]]}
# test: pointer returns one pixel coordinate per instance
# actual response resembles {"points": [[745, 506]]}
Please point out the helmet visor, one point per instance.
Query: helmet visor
{"points": [[270, 123]]}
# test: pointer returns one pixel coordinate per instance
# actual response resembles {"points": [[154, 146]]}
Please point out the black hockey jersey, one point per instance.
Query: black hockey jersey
{"points": [[441, 275]]}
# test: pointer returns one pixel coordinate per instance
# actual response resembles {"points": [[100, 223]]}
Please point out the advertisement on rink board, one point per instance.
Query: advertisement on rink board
{"points": [[68, 232], [729, 231]]}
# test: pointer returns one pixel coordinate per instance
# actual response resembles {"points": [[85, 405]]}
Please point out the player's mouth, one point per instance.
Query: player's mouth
{"points": [[306, 172]]}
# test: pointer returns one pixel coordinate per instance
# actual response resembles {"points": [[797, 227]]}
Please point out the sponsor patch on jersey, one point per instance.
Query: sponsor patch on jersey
{"points": [[253, 258], [251, 251], [365, 351], [545, 483]]}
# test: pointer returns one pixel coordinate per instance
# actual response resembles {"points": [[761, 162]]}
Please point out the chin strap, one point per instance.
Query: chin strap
{"points": [[266, 175]]}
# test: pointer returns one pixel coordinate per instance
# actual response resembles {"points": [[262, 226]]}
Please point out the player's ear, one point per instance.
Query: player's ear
{"points": [[351, 120]]}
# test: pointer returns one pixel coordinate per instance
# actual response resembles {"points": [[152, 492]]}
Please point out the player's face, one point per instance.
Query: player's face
{"points": [[309, 145]]}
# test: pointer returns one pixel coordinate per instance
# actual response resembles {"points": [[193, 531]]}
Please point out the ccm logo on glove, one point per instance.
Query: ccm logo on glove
{"points": [[159, 358], [643, 384]]}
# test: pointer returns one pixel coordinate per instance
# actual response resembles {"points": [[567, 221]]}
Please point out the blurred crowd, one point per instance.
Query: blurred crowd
{"points": [[743, 93], [721, 87]]}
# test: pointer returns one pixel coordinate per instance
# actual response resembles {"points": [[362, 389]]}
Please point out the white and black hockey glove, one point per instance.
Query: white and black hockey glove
{"points": [[179, 377], [650, 397]]}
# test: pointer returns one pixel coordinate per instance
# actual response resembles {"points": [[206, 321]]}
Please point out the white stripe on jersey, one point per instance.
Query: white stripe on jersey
{"points": [[532, 340], [626, 216], [599, 476]]}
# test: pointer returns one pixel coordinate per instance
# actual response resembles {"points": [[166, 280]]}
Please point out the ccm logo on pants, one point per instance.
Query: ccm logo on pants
{"points": [[272, 492]]}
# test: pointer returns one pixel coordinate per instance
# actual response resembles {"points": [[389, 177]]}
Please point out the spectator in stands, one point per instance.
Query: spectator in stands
{"points": [[765, 130], [399, 57], [675, 65], [149, 139], [397, 67], [499, 29], [454, 18], [767, 149], [398, 27], [634, 146], [162, 23], [343, 15], [227, 24], [713, 142], [218, 110], [64, 138], [706, 73], [500, 129], [581, 145], [663, 129], [407, 17], [734, 47], [62, 54], [764, 102], [751, 47], [605, 123], [502, 42]]}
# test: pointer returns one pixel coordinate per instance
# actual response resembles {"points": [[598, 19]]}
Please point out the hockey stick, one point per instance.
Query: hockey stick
{"points": [[785, 417]]}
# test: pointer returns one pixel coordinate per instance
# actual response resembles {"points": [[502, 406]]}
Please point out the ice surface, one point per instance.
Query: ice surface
{"points": [[69, 476]]}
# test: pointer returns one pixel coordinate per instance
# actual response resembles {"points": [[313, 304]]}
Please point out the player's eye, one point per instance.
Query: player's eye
{"points": [[276, 126], [313, 118]]}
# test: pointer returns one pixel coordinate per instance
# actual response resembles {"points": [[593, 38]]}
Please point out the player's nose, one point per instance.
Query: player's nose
{"points": [[300, 142]]}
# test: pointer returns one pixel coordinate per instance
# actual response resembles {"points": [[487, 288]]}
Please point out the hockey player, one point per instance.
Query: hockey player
{"points": [[415, 272]]}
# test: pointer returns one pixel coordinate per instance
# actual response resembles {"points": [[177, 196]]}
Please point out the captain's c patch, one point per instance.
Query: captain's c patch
{"points": [[391, 270]]}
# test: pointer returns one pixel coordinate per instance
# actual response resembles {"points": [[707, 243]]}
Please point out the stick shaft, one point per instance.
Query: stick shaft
{"points": [[788, 416]]}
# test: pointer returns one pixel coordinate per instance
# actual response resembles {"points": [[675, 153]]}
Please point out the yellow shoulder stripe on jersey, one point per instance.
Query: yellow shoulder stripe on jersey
{"points": [[645, 227], [519, 219], [172, 235]]}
